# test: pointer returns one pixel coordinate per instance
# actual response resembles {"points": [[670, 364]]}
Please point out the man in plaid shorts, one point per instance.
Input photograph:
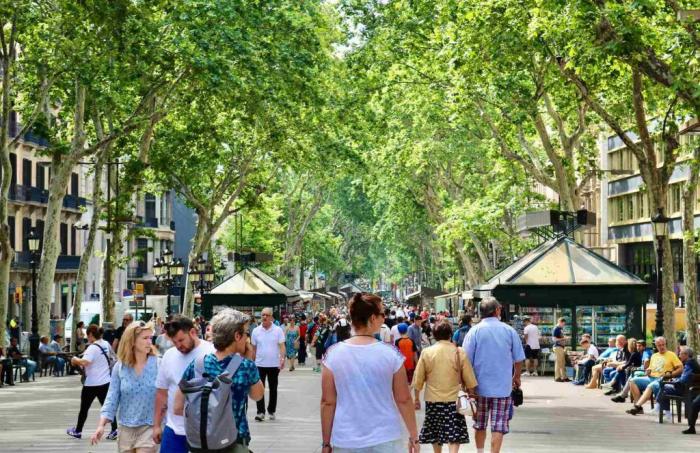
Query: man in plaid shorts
{"points": [[496, 354]]}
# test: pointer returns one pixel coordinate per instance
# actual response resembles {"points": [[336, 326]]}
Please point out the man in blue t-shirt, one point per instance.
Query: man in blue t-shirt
{"points": [[464, 325], [558, 342]]}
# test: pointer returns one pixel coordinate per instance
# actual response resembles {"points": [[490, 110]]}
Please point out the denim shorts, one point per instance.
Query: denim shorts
{"points": [[646, 381], [394, 446]]}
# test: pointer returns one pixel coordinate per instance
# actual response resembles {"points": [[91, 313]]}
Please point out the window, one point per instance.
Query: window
{"points": [[40, 228], [27, 172], [64, 238], [675, 198], [26, 228], [13, 163], [164, 208], [73, 241], [150, 206], [631, 199], [74, 184], [11, 223], [142, 252], [40, 177]]}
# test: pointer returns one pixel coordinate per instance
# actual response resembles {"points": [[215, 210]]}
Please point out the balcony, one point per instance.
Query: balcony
{"points": [[150, 222], [66, 262], [23, 260], [135, 272], [37, 195], [74, 202]]}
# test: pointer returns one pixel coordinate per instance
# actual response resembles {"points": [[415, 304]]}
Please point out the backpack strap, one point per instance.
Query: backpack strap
{"points": [[199, 366], [233, 365]]}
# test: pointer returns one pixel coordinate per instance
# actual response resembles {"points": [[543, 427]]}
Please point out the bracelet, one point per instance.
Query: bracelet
{"points": [[325, 445]]}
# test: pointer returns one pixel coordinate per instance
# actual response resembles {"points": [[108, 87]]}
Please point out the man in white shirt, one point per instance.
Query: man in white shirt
{"points": [[585, 363], [532, 346], [268, 343], [395, 335], [187, 348]]}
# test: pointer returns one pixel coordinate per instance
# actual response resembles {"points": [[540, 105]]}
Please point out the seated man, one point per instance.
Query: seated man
{"points": [[629, 372], [51, 355], [14, 353], [617, 377], [679, 385], [662, 364], [586, 362], [5, 370], [610, 359], [693, 415]]}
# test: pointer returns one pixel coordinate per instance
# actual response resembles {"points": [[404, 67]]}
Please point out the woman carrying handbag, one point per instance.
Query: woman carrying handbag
{"points": [[446, 373]]}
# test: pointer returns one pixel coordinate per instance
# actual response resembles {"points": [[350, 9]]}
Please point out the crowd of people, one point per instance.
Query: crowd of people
{"points": [[626, 370], [379, 363]]}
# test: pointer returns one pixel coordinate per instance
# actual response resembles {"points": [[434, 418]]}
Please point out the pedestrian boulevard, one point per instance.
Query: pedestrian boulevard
{"points": [[554, 418]]}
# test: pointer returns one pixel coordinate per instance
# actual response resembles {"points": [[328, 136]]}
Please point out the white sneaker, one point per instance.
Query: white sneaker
{"points": [[271, 416], [668, 418], [656, 409], [534, 373]]}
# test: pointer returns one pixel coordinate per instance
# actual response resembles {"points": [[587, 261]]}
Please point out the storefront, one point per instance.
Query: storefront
{"points": [[562, 278]]}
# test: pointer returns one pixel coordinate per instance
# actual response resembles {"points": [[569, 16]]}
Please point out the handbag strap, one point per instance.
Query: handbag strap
{"points": [[459, 369]]}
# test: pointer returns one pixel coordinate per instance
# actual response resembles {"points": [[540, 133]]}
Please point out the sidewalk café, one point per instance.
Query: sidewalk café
{"points": [[250, 290], [562, 278]]}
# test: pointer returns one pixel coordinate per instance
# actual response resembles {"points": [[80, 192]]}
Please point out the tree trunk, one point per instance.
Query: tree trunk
{"points": [[111, 264], [199, 243], [89, 247], [690, 278], [51, 243], [472, 277]]}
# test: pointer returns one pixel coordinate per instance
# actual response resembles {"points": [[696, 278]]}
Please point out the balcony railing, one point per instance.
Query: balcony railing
{"points": [[150, 222], [135, 272], [23, 260], [19, 192], [74, 202]]}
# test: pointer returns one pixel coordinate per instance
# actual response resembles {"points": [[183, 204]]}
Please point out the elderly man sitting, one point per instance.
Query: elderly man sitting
{"points": [[662, 364], [616, 355], [678, 385]]}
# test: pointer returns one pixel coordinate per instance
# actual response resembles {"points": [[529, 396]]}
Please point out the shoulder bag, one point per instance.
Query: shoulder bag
{"points": [[465, 405]]}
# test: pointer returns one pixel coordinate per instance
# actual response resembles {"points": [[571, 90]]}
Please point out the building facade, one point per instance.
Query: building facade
{"points": [[27, 210], [625, 211]]}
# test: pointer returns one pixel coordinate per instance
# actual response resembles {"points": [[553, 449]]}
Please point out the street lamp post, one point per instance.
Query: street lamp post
{"points": [[168, 270], [34, 244], [660, 226], [202, 276]]}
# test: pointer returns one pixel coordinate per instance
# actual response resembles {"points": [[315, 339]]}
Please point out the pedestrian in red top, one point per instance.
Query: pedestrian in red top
{"points": [[409, 350], [303, 328]]}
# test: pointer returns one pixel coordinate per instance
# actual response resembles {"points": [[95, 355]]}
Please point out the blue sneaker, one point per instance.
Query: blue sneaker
{"points": [[73, 433], [113, 435]]}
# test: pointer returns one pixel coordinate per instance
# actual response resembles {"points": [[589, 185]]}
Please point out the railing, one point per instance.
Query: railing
{"points": [[68, 262], [151, 222], [23, 260], [135, 272]]}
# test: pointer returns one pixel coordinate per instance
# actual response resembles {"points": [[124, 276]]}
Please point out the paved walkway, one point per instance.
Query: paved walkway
{"points": [[555, 418]]}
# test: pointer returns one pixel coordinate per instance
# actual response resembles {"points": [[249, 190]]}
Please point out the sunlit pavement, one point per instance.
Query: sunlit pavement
{"points": [[555, 418]]}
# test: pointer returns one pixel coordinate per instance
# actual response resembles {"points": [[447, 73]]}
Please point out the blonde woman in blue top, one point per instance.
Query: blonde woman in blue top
{"points": [[132, 392]]}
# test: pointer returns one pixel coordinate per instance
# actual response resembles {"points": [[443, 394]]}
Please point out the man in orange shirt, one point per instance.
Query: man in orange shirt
{"points": [[409, 350]]}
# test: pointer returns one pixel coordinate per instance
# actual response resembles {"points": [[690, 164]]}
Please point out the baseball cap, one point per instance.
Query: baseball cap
{"points": [[403, 328]]}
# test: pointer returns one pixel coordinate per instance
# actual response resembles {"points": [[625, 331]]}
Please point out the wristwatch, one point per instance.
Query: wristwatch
{"points": [[325, 445]]}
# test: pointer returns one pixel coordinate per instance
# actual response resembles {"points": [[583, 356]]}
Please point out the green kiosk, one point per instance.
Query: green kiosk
{"points": [[561, 278], [250, 290]]}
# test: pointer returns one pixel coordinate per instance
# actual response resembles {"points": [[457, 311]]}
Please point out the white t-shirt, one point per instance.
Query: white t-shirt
{"points": [[395, 335], [97, 372], [385, 334], [267, 346], [363, 377], [533, 336], [592, 351], [170, 372]]}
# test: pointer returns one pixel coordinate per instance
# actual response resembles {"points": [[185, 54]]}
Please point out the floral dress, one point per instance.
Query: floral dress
{"points": [[291, 339]]}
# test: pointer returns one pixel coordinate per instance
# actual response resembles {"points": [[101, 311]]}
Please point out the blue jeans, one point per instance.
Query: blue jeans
{"points": [[665, 403], [608, 373], [59, 364], [31, 367], [173, 443]]}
